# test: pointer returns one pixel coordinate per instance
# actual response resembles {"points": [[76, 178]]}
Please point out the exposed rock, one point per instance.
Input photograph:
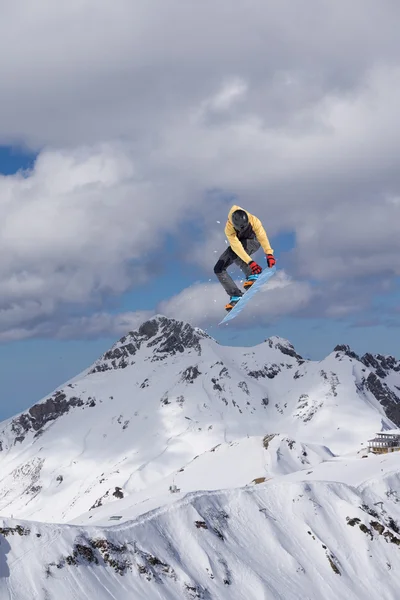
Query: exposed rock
{"points": [[152, 567], [244, 387], [267, 439], [269, 371], [165, 400], [6, 531], [25, 476], [40, 414], [307, 408], [216, 385], [194, 592], [381, 364], [34, 489], [176, 336], [118, 493], [284, 346], [94, 552], [149, 329], [84, 552], [190, 374], [387, 398], [224, 372], [378, 527], [164, 336], [347, 351], [99, 501], [392, 538], [333, 563]]}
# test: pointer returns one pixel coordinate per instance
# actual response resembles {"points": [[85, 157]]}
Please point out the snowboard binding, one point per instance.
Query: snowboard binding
{"points": [[249, 281], [234, 300]]}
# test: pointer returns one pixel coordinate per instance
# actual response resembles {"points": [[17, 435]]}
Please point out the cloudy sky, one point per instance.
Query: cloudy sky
{"points": [[128, 129]]}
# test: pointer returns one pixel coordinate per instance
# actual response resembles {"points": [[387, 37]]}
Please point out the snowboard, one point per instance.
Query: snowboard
{"points": [[263, 278]]}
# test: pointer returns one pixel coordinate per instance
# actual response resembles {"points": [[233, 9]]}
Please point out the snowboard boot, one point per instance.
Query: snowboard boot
{"points": [[234, 300], [249, 281]]}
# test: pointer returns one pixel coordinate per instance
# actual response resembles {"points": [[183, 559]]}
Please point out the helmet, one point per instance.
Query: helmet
{"points": [[240, 219]]}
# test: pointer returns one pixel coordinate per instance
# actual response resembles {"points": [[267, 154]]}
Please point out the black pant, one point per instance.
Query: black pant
{"points": [[228, 258]]}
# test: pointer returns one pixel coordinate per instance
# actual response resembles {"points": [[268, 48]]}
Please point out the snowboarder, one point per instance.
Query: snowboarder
{"points": [[245, 235]]}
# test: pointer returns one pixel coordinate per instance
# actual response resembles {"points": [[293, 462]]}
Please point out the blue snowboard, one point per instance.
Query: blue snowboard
{"points": [[263, 278]]}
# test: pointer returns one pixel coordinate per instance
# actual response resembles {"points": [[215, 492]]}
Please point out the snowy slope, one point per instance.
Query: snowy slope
{"points": [[276, 442], [277, 540], [225, 466], [164, 395]]}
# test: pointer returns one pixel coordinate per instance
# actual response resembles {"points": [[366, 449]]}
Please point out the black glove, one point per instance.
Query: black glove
{"points": [[255, 268], [270, 260]]}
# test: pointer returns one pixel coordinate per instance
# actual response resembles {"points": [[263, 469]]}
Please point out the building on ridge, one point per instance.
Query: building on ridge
{"points": [[385, 441]]}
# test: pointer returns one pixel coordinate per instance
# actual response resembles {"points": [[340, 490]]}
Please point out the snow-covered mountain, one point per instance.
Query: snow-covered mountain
{"points": [[263, 450]]}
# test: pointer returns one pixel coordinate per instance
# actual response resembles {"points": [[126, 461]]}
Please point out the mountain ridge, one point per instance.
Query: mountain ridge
{"points": [[189, 393], [187, 443]]}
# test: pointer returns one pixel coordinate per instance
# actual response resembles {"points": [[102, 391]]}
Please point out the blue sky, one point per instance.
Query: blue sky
{"points": [[137, 140]]}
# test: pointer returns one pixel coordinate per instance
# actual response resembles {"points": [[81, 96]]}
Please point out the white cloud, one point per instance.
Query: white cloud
{"points": [[95, 325], [81, 225], [94, 69], [199, 304], [103, 324], [229, 94], [205, 252], [203, 304], [139, 109]]}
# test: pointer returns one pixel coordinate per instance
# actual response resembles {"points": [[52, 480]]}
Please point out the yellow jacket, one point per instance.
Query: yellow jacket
{"points": [[236, 244]]}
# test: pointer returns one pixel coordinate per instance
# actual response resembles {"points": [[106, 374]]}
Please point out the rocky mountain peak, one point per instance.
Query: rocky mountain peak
{"points": [[381, 364], [163, 336], [284, 346], [345, 349]]}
